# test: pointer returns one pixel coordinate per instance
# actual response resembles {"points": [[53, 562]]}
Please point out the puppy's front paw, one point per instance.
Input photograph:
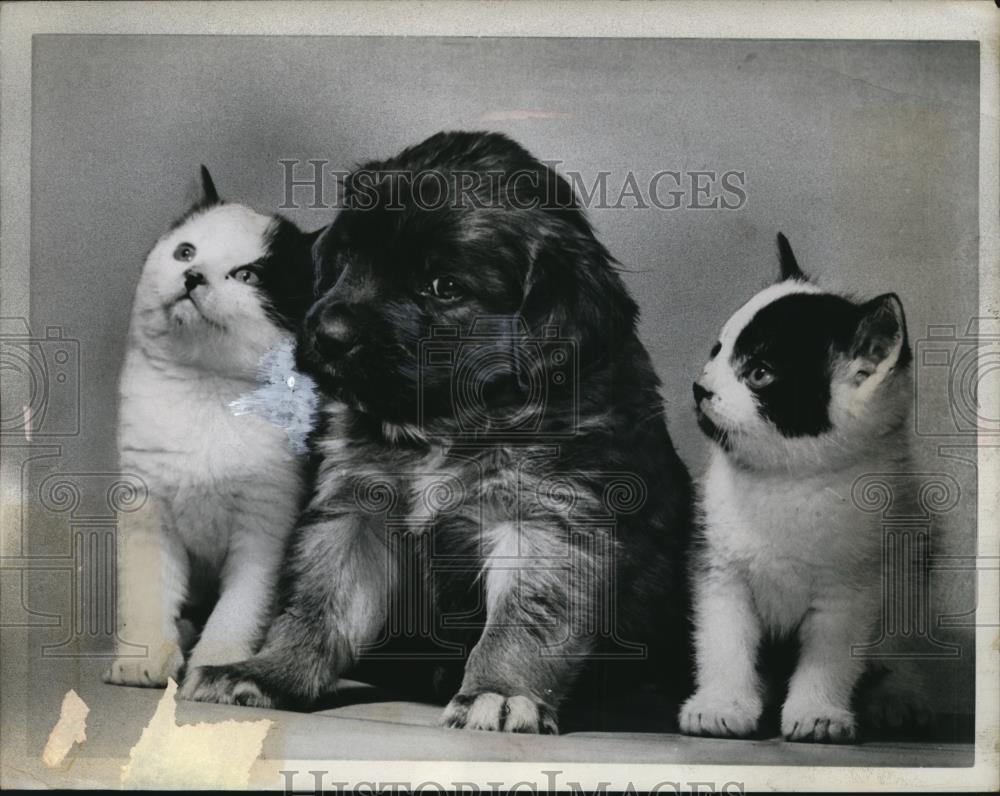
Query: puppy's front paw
{"points": [[818, 723], [487, 710], [708, 713], [227, 685], [162, 661]]}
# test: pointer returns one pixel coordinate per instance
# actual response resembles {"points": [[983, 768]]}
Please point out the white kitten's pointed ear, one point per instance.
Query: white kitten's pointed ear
{"points": [[789, 265], [209, 195], [880, 339]]}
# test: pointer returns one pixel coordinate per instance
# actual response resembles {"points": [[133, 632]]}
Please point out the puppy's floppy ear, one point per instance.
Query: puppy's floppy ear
{"points": [[209, 195], [789, 265], [324, 251], [573, 287], [880, 341]]}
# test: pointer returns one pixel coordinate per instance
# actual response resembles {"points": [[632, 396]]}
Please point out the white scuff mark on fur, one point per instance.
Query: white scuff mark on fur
{"points": [[519, 115], [70, 729], [211, 756], [285, 397]]}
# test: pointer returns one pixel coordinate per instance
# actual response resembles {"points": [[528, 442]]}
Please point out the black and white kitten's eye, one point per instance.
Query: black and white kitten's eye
{"points": [[185, 252], [715, 350], [760, 377], [246, 275], [446, 288]]}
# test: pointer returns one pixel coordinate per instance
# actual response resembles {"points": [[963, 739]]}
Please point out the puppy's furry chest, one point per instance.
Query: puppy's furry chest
{"points": [[793, 539], [467, 488]]}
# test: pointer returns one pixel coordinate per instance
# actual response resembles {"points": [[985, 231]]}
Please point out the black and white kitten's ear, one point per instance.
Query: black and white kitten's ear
{"points": [[789, 265], [209, 195], [880, 342]]}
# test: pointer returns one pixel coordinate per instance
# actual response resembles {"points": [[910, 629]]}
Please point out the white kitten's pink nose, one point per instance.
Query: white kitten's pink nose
{"points": [[700, 393]]}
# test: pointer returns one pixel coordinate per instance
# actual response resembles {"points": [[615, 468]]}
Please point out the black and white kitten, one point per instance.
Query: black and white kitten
{"points": [[804, 392], [219, 290]]}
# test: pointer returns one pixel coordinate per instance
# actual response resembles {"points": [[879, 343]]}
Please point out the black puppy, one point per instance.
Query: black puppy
{"points": [[495, 484]]}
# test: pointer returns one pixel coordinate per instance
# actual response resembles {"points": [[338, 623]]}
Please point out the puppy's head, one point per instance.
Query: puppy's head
{"points": [[464, 244], [801, 378]]}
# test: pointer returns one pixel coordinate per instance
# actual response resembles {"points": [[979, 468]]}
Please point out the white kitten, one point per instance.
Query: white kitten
{"points": [[219, 290], [805, 391]]}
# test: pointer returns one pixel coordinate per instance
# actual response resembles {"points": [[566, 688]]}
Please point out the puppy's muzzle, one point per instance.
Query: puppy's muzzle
{"points": [[333, 331]]}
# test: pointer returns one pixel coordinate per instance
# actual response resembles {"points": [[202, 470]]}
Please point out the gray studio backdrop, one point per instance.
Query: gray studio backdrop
{"points": [[864, 153]]}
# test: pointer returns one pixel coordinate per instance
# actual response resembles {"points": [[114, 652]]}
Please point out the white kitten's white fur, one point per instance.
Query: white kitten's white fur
{"points": [[786, 550], [223, 489]]}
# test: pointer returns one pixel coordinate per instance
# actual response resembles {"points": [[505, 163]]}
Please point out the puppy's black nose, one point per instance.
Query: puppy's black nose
{"points": [[192, 279], [700, 393], [335, 330]]}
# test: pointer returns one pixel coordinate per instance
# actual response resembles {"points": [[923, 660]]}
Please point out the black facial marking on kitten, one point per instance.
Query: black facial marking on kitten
{"points": [[795, 336], [286, 274]]}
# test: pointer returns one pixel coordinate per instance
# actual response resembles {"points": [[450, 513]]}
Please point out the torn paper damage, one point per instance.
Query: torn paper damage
{"points": [[193, 756], [70, 729]]}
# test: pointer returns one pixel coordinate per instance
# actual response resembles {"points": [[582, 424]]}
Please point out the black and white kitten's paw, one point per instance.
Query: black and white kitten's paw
{"points": [[818, 723], [488, 710], [163, 661], [226, 685], [719, 715]]}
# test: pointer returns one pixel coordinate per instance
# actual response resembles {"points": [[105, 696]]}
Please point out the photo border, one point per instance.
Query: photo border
{"points": [[788, 19]]}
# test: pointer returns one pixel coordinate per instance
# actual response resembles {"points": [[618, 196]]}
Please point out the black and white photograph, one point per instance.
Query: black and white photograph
{"points": [[521, 395]]}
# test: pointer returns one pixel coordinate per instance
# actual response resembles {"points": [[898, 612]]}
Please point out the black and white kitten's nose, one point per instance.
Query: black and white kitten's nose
{"points": [[193, 278], [700, 393]]}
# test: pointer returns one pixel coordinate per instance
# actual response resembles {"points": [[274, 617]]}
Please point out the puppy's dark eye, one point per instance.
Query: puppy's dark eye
{"points": [[247, 275], [760, 377], [185, 252], [715, 350], [444, 287]]}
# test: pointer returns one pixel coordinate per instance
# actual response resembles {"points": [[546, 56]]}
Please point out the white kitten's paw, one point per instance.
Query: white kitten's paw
{"points": [[818, 723], [164, 660], [720, 715]]}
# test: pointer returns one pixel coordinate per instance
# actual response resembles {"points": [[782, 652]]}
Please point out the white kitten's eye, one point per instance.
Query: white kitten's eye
{"points": [[185, 252], [760, 377], [247, 275]]}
